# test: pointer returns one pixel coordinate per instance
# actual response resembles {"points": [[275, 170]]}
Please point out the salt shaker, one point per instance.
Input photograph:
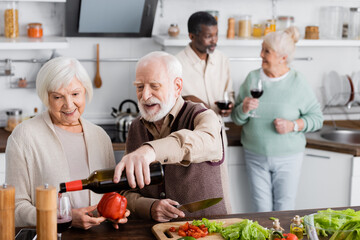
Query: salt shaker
{"points": [[7, 212], [46, 219]]}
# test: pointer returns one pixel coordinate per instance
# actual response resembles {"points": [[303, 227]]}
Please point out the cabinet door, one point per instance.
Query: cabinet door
{"points": [[2, 168], [325, 180], [239, 187]]}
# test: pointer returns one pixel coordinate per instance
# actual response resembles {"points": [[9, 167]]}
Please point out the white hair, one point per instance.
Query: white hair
{"points": [[59, 72], [173, 66], [283, 42]]}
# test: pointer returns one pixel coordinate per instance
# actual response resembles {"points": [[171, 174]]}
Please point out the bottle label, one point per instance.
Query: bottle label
{"points": [[74, 186]]}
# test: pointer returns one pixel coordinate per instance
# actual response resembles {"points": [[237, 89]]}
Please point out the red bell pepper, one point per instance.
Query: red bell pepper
{"points": [[112, 205], [285, 236]]}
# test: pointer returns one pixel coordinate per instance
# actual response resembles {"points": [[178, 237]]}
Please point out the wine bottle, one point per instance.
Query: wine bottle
{"points": [[101, 181]]}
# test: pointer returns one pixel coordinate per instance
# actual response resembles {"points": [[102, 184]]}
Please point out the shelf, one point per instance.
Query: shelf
{"points": [[183, 40], [22, 43]]}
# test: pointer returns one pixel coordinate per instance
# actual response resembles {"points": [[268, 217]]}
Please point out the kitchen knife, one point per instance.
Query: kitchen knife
{"points": [[199, 205]]}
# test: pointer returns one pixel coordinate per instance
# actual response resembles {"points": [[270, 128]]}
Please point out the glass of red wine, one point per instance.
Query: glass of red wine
{"points": [[64, 216], [224, 104], [256, 91]]}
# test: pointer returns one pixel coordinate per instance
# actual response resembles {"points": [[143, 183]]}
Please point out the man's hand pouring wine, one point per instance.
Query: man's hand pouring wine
{"points": [[137, 166]]}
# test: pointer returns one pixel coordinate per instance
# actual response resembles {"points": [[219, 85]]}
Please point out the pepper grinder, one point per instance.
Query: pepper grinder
{"points": [[7, 212], [46, 210]]}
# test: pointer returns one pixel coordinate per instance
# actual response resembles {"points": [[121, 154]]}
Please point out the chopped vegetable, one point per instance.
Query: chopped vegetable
{"points": [[212, 226], [192, 230]]}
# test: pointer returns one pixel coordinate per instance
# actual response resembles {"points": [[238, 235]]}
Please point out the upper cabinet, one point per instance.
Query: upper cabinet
{"points": [[183, 40], [34, 0]]}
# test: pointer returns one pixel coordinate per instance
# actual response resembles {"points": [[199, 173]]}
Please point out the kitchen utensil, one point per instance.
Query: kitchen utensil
{"points": [[46, 212], [199, 205], [161, 230], [124, 119], [7, 212], [97, 79]]}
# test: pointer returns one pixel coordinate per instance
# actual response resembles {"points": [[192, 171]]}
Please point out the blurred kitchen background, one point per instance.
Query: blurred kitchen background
{"points": [[317, 58]]}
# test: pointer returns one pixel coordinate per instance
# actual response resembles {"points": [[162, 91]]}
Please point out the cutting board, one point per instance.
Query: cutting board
{"points": [[161, 230]]}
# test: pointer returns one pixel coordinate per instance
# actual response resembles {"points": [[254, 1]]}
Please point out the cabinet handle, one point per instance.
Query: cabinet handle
{"points": [[318, 156]]}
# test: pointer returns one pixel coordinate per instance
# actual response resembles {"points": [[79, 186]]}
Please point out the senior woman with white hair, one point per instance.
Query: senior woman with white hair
{"points": [[274, 142], [58, 145]]}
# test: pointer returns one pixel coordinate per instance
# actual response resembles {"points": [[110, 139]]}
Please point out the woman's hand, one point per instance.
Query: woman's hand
{"points": [[250, 104], [283, 126], [84, 218], [121, 220], [164, 210]]}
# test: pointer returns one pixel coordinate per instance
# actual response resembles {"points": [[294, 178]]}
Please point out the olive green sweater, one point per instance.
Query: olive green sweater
{"points": [[290, 98]]}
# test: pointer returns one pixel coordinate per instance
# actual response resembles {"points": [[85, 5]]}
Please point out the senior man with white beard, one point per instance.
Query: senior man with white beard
{"points": [[184, 136]]}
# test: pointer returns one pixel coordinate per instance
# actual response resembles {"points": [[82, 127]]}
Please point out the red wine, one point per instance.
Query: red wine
{"points": [[256, 93], [223, 104], [63, 224], [101, 181]]}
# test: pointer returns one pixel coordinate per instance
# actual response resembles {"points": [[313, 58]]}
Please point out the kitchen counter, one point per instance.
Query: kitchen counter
{"points": [[234, 133], [141, 229]]}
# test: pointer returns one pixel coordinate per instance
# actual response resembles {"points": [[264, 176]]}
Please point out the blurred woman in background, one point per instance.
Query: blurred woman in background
{"points": [[274, 141]]}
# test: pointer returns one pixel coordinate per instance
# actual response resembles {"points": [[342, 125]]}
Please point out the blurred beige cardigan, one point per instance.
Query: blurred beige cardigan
{"points": [[34, 156]]}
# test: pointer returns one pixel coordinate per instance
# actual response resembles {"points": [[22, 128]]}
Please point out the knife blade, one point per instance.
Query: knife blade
{"points": [[198, 205]]}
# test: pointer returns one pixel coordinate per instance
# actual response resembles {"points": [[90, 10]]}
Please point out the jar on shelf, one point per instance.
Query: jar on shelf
{"points": [[34, 30], [244, 26], [257, 30], [354, 24], [14, 118], [312, 32], [173, 30], [267, 28], [283, 22], [11, 16], [272, 24], [231, 28]]}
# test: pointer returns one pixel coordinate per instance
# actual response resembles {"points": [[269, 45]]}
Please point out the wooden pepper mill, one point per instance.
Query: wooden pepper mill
{"points": [[46, 225], [7, 212], [231, 28]]}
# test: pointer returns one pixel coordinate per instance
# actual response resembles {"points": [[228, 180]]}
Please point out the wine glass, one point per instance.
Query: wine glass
{"points": [[64, 216], [256, 91], [224, 104]]}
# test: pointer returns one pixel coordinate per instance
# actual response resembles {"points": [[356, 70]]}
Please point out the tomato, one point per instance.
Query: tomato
{"points": [[172, 229], [192, 230], [112, 205], [286, 236]]}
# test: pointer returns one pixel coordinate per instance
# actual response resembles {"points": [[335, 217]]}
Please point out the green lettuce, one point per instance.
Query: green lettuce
{"points": [[212, 226], [245, 230]]}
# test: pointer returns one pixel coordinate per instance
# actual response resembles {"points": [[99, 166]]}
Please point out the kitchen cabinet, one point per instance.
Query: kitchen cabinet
{"points": [[325, 180], [328, 179], [2, 168], [238, 181]]}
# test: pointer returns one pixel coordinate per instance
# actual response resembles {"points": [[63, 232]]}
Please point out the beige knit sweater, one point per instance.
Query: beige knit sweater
{"points": [[34, 156]]}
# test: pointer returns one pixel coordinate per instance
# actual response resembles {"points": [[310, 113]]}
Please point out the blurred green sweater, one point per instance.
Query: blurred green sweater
{"points": [[290, 98]]}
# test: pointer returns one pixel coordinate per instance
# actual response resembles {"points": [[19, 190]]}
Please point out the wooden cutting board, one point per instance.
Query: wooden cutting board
{"points": [[161, 230]]}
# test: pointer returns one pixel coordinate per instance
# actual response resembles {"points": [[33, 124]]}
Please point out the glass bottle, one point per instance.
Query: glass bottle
{"points": [[267, 28], [11, 17], [354, 23], [275, 229], [101, 181], [14, 118], [297, 227]]}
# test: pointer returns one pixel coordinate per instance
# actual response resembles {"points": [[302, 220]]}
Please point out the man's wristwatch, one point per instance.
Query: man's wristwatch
{"points": [[296, 126]]}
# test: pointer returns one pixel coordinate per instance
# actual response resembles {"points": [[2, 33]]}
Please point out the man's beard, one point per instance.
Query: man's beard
{"points": [[164, 108], [208, 51]]}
